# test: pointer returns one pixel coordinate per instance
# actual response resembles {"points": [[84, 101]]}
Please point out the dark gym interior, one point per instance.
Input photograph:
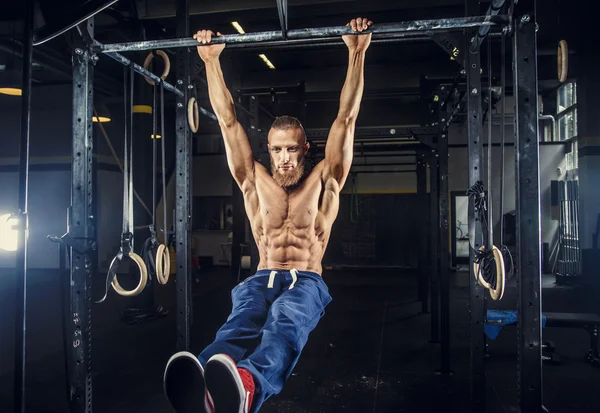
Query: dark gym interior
{"points": [[409, 328]]}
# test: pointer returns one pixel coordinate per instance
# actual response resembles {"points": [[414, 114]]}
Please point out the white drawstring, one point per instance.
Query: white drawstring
{"points": [[272, 279], [294, 273]]}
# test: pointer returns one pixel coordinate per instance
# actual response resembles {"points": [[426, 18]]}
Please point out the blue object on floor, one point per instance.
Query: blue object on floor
{"points": [[496, 319]]}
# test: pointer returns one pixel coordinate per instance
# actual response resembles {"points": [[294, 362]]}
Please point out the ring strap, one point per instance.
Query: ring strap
{"points": [[164, 171]]}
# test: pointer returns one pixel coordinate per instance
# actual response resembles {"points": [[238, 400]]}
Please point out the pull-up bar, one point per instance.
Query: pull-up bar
{"points": [[398, 30]]}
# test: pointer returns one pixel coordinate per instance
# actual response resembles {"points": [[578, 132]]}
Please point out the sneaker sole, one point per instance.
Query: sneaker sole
{"points": [[225, 384], [184, 385]]}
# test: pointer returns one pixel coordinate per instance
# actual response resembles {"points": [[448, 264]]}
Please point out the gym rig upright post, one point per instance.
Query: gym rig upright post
{"points": [[81, 223], [529, 307]]}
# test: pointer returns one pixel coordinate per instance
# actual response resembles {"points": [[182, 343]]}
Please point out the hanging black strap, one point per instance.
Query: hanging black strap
{"points": [[508, 261], [484, 256], [127, 247], [154, 137], [490, 238], [502, 133], [164, 169], [151, 244]]}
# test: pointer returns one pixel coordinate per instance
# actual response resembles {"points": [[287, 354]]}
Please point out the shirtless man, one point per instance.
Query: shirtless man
{"points": [[291, 214]]}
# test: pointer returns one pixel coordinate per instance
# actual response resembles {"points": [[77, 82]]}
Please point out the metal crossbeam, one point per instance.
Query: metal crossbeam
{"points": [[401, 29], [139, 69], [378, 132], [79, 15]]}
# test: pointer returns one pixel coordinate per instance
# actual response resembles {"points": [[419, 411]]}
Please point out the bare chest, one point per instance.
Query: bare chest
{"points": [[296, 209]]}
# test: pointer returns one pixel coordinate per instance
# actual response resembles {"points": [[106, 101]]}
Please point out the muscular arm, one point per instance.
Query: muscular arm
{"points": [[340, 143], [237, 146]]}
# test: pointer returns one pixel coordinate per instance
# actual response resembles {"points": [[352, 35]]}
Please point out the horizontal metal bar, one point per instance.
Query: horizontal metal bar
{"points": [[139, 69], [403, 171], [417, 26], [326, 42], [78, 16], [378, 132], [566, 111], [384, 164]]}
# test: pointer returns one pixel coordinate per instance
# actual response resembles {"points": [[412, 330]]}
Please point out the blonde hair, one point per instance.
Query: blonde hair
{"points": [[288, 122]]}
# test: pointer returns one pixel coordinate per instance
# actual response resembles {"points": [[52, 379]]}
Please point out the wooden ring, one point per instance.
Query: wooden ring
{"points": [[163, 264], [563, 61], [193, 114], [143, 278], [165, 59], [498, 292]]}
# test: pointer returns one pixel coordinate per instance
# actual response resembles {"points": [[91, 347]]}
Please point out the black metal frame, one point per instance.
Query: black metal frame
{"points": [[424, 252], [434, 283], [379, 132], [183, 195], [82, 225], [23, 220], [475, 148], [444, 274], [527, 175], [77, 16]]}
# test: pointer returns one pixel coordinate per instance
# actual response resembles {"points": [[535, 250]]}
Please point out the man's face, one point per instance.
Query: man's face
{"points": [[287, 150]]}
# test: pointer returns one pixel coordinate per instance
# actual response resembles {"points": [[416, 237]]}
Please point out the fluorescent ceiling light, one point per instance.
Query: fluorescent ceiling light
{"points": [[157, 136], [267, 61], [239, 28], [100, 119], [11, 91], [8, 235]]}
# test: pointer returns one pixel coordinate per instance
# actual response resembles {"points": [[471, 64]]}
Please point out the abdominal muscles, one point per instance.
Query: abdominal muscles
{"points": [[289, 245]]}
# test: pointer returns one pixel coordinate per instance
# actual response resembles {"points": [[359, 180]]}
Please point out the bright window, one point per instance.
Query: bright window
{"points": [[566, 108], [8, 235]]}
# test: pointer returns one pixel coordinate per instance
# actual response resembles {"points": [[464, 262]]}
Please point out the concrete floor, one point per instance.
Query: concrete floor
{"points": [[356, 360]]}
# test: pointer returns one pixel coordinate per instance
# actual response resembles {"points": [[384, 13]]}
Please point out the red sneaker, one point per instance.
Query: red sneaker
{"points": [[231, 388], [184, 385]]}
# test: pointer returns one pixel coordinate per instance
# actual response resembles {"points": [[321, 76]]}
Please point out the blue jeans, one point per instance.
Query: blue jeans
{"points": [[273, 314]]}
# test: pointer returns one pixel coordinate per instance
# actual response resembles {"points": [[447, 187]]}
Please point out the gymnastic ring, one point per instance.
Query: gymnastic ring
{"points": [[163, 264], [498, 292], [563, 61], [143, 278], [166, 60], [193, 114]]}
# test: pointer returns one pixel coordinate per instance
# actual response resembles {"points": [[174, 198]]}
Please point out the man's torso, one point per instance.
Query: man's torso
{"points": [[292, 228]]}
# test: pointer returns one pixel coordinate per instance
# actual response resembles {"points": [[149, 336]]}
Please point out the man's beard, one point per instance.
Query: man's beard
{"points": [[291, 177]]}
